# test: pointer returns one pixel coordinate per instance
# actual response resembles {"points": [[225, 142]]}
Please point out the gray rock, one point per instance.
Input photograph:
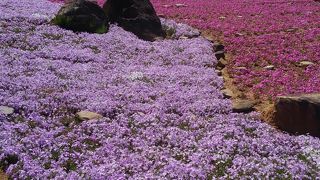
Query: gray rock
{"points": [[183, 37], [269, 67], [305, 64], [298, 114], [239, 34], [136, 75], [88, 115], [6, 110], [181, 5], [291, 30], [82, 16], [227, 93], [243, 106]]}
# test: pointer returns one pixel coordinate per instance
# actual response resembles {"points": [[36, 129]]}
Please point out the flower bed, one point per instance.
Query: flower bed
{"points": [[258, 34], [164, 114]]}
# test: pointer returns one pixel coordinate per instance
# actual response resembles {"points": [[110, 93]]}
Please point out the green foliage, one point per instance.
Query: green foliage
{"points": [[92, 145], [221, 168], [55, 155], [169, 31], [70, 165]]}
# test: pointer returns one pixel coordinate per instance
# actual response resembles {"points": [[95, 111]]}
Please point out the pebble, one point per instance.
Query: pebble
{"points": [[227, 93], [6, 110], [181, 5], [243, 106], [269, 67], [305, 63], [221, 64], [88, 115]]}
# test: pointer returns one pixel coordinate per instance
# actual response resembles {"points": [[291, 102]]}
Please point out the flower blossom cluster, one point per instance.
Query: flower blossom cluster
{"points": [[257, 34], [164, 116]]}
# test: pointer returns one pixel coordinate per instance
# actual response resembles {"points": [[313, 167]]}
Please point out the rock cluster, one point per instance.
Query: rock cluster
{"points": [[136, 16]]}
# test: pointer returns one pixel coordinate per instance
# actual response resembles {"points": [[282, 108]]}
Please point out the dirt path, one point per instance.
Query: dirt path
{"points": [[265, 108]]}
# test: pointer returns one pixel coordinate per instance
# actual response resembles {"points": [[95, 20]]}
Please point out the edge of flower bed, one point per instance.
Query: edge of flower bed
{"points": [[263, 107]]}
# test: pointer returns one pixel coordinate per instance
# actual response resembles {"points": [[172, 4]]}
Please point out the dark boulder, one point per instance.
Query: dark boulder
{"points": [[136, 16], [298, 114], [82, 16]]}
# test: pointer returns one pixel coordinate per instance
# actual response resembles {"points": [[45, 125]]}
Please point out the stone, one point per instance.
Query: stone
{"points": [[221, 64], [82, 16], [241, 68], [291, 30], [239, 34], [298, 114], [269, 67], [243, 106], [220, 54], [181, 5], [136, 16], [218, 47], [219, 73], [6, 110], [88, 115], [305, 64], [183, 37], [227, 93], [136, 76]]}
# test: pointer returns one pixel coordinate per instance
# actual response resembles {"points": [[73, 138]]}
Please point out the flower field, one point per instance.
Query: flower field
{"points": [[164, 116], [260, 33]]}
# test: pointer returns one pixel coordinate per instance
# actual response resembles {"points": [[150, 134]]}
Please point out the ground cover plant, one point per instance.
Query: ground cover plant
{"points": [[163, 113], [257, 34]]}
